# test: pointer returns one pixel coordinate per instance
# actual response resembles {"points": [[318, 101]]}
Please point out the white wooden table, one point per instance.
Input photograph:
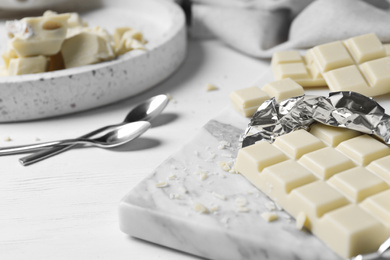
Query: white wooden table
{"points": [[66, 207]]}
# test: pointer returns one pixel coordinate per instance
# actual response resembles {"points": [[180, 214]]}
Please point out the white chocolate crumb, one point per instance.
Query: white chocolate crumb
{"points": [[240, 201], [171, 99], [173, 167], [270, 205], [225, 220], [200, 172], [233, 170], [287, 217], [222, 175], [227, 155], [243, 209], [278, 207], [196, 153], [7, 139], [269, 216], [223, 145], [252, 191], [211, 157], [174, 196], [203, 176], [161, 184], [172, 176], [207, 148], [218, 196], [211, 87], [183, 190], [200, 208], [301, 220], [224, 166], [37, 139], [214, 209]]}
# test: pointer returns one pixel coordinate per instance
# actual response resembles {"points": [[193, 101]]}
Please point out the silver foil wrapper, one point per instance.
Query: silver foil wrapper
{"points": [[344, 109]]}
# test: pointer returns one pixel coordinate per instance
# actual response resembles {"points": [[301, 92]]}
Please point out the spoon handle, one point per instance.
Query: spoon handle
{"points": [[39, 146], [43, 154], [26, 148], [57, 149]]}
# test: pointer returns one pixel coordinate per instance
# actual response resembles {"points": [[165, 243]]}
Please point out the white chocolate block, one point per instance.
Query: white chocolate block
{"points": [[269, 216], [331, 135], [8, 55], [286, 57], [56, 62], [365, 48], [283, 89], [298, 143], [296, 176], [347, 79], [246, 101], [43, 35], [379, 206], [381, 168], [27, 65], [103, 33], [350, 231], [326, 162], [74, 19], [85, 48], [75, 23], [294, 70], [314, 70], [331, 56], [363, 149], [377, 74], [315, 199], [387, 48], [357, 183], [127, 39], [254, 158]]}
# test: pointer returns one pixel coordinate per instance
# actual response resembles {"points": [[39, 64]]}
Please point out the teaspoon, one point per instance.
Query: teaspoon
{"points": [[146, 110]]}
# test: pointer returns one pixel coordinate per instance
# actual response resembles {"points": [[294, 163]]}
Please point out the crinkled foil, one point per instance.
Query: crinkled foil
{"points": [[344, 109]]}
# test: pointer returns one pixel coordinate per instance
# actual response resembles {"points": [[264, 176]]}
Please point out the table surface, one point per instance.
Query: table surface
{"points": [[66, 207]]}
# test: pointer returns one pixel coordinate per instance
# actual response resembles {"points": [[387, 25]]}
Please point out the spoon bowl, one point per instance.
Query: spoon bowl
{"points": [[116, 137], [148, 109]]}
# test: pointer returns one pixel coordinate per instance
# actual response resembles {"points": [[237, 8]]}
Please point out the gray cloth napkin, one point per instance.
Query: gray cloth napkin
{"points": [[261, 27]]}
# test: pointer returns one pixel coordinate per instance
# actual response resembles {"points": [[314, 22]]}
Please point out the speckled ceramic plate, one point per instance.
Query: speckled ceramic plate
{"points": [[49, 94]]}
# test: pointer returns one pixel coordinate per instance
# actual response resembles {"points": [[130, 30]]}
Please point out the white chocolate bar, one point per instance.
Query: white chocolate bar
{"points": [[247, 100], [334, 182], [283, 89], [360, 64]]}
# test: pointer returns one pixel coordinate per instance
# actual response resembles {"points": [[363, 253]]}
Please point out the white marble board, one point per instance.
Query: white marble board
{"points": [[166, 215]]}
